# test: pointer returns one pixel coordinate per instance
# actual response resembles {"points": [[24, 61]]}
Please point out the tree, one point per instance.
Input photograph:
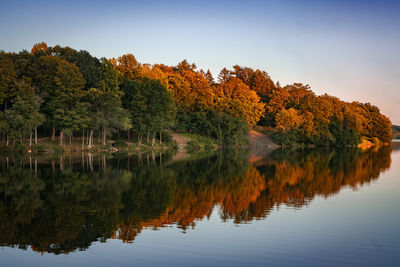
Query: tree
{"points": [[288, 120], [89, 66], [60, 84], [209, 78], [151, 106], [127, 66], [224, 76], [8, 79], [106, 112], [39, 47], [258, 81], [25, 117], [184, 65], [200, 91], [236, 99]]}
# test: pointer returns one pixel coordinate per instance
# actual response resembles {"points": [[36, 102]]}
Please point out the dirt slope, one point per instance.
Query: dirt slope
{"points": [[180, 140], [261, 142]]}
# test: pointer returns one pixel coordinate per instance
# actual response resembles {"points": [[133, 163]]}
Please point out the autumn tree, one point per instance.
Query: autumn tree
{"points": [[127, 66], [236, 98], [39, 47]]}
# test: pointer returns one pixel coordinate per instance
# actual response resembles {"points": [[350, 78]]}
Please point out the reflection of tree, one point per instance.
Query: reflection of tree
{"points": [[67, 204], [20, 194], [298, 177]]}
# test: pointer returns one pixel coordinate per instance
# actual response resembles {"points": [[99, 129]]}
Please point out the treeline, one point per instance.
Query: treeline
{"points": [[299, 116], [61, 91]]}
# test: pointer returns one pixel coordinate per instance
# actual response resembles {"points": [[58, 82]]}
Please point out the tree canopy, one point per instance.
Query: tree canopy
{"points": [[77, 93]]}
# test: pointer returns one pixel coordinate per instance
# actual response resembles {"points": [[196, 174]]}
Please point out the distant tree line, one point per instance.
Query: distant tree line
{"points": [[59, 91]]}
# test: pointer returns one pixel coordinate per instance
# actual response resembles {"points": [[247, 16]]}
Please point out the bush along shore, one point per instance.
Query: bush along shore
{"points": [[53, 98]]}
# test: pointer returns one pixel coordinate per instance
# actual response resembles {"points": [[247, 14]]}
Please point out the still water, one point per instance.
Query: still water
{"points": [[233, 208]]}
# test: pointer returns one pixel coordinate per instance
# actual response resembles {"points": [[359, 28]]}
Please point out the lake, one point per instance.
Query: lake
{"points": [[317, 207]]}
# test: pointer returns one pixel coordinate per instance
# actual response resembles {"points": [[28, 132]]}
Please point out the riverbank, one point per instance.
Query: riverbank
{"points": [[74, 145], [182, 142], [259, 143]]}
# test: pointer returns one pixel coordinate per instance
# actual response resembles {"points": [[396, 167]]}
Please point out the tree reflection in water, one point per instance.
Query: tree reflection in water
{"points": [[64, 204]]}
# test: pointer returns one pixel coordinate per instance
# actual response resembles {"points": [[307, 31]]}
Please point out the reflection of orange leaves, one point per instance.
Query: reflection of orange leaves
{"points": [[295, 183], [239, 200], [192, 204], [251, 195]]}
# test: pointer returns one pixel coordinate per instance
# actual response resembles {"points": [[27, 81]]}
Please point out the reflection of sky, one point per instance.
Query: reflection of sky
{"points": [[345, 48], [358, 227]]}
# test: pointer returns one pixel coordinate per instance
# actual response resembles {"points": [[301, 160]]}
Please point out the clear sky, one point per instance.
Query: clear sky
{"points": [[349, 49]]}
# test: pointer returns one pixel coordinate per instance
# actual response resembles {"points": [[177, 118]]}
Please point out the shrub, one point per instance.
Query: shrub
{"points": [[120, 144], [18, 147], [40, 148]]}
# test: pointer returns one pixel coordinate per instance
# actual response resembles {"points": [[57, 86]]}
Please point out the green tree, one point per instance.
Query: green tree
{"points": [[151, 106], [107, 114], [24, 117], [60, 84]]}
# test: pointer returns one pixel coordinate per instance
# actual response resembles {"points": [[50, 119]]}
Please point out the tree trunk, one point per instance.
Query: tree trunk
{"points": [[87, 138], [53, 135], [36, 135], [30, 140], [129, 135], [153, 141], [83, 138], [104, 136], [70, 139], [61, 138], [7, 140], [91, 138], [90, 141], [161, 138], [148, 137], [139, 139]]}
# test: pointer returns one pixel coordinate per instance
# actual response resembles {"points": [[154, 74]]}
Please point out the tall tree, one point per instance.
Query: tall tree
{"points": [[106, 111], [60, 84], [236, 98], [151, 106]]}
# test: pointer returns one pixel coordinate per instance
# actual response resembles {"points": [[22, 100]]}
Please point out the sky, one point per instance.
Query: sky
{"points": [[349, 49]]}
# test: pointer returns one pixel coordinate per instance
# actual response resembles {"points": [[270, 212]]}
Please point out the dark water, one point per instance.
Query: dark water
{"points": [[288, 208]]}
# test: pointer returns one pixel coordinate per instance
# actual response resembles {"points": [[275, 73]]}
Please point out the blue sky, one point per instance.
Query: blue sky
{"points": [[350, 49]]}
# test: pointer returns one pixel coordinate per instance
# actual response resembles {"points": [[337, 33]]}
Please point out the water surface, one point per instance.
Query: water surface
{"points": [[315, 207]]}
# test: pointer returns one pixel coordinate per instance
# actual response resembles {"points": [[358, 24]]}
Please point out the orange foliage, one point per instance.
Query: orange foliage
{"points": [[235, 98], [39, 47]]}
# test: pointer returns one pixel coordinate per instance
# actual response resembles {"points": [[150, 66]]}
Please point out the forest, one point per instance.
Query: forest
{"points": [[60, 93]]}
